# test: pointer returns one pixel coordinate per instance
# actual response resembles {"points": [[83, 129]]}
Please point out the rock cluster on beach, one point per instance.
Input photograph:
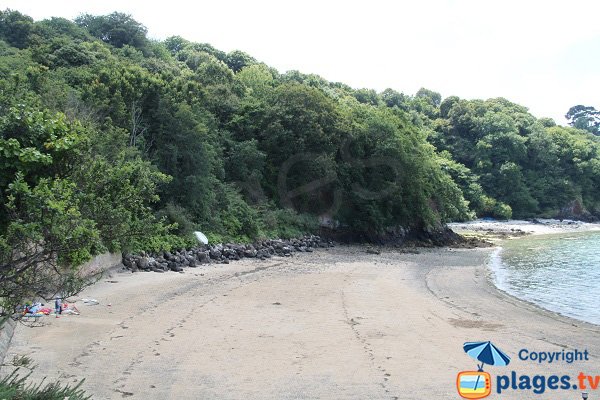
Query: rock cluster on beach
{"points": [[221, 253]]}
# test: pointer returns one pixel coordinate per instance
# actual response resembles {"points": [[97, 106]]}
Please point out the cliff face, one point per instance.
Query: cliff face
{"points": [[576, 210]]}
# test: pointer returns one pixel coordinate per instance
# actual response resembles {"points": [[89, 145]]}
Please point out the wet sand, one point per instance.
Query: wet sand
{"points": [[335, 324]]}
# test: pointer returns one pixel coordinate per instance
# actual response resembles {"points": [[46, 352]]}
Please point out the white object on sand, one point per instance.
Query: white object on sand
{"points": [[201, 237]]}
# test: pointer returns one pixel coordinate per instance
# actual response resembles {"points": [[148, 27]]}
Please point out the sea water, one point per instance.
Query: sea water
{"points": [[560, 273]]}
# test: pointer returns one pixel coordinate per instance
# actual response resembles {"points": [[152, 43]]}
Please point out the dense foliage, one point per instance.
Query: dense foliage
{"points": [[109, 140], [529, 164]]}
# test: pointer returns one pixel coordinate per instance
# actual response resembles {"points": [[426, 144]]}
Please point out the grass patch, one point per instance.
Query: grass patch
{"points": [[15, 387]]}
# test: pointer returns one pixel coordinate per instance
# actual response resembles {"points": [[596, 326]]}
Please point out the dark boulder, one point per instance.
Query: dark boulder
{"points": [[203, 257]]}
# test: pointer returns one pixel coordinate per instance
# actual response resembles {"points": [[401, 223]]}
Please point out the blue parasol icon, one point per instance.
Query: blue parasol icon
{"points": [[487, 353]]}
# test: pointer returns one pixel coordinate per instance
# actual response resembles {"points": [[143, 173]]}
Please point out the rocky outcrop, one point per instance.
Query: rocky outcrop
{"points": [[221, 253], [575, 210], [399, 236]]}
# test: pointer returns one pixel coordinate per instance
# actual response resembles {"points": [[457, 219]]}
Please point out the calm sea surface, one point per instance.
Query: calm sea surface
{"points": [[560, 273]]}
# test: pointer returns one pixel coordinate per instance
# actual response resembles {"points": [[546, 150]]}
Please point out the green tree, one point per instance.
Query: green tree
{"points": [[367, 96], [237, 60], [175, 44], [258, 78], [15, 28], [44, 240], [584, 117], [61, 205], [393, 98], [183, 150], [433, 98], [117, 29]]}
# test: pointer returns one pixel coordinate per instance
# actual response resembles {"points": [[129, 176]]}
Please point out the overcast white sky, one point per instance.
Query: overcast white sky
{"points": [[544, 55]]}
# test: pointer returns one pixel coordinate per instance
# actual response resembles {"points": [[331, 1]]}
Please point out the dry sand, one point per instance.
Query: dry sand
{"points": [[335, 324]]}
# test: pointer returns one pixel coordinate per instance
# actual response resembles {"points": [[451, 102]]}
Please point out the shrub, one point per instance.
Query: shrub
{"points": [[494, 208], [13, 387]]}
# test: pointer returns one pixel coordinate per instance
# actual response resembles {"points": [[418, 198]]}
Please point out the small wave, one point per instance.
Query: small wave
{"points": [[495, 264]]}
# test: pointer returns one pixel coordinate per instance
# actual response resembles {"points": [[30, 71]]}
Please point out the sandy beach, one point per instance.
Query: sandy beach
{"points": [[335, 324]]}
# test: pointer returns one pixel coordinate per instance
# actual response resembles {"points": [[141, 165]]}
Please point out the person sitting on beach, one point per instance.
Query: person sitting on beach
{"points": [[70, 309], [35, 310]]}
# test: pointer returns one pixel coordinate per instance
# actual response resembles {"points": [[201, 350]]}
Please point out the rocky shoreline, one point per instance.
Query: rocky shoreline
{"points": [[221, 254], [498, 230], [264, 249]]}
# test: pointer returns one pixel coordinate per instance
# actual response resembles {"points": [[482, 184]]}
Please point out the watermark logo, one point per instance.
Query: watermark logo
{"points": [[478, 384]]}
